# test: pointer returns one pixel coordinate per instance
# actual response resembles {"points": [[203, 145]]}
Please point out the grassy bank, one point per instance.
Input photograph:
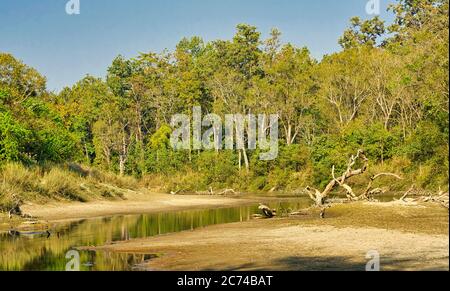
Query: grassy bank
{"points": [[73, 182], [67, 182]]}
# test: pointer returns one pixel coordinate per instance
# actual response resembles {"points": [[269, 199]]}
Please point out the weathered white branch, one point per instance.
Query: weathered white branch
{"points": [[319, 197]]}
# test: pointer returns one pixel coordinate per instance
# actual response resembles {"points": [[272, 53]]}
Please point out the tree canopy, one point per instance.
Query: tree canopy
{"points": [[386, 92]]}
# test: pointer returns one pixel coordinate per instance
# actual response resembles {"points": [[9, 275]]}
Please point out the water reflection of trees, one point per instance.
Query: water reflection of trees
{"points": [[18, 252]]}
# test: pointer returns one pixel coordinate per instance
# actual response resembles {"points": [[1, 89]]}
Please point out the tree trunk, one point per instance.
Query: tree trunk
{"points": [[240, 160], [123, 156], [122, 165], [289, 135], [246, 161]]}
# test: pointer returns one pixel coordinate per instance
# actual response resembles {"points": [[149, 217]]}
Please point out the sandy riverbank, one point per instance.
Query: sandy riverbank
{"points": [[135, 203], [407, 238]]}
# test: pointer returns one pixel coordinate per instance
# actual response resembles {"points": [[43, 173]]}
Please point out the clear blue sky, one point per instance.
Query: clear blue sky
{"points": [[65, 48]]}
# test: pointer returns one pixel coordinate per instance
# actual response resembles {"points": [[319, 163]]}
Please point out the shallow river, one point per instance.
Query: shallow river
{"points": [[47, 251]]}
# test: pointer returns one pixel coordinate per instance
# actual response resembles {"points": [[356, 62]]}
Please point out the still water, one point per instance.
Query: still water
{"points": [[47, 250]]}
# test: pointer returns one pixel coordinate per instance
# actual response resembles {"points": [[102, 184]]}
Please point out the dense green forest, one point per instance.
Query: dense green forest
{"points": [[385, 92]]}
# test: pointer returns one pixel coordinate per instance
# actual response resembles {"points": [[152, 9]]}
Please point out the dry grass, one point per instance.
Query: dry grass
{"points": [[63, 184], [112, 179], [59, 183]]}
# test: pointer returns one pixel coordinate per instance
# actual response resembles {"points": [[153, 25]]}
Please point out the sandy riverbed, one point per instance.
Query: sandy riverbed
{"points": [[407, 238]]}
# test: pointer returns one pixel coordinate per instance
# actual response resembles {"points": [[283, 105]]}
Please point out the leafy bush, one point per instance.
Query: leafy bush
{"points": [[13, 139]]}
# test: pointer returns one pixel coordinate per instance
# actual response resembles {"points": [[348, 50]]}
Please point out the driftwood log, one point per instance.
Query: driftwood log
{"points": [[370, 192], [320, 197], [267, 211], [212, 192], [442, 198]]}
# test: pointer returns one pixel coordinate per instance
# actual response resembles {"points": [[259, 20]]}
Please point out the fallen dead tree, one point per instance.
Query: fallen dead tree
{"points": [[211, 191], [441, 199], [266, 211], [417, 196], [221, 193], [322, 201], [227, 192], [321, 197]]}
